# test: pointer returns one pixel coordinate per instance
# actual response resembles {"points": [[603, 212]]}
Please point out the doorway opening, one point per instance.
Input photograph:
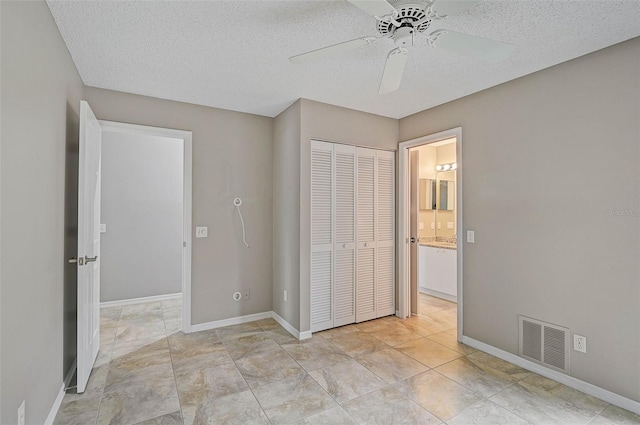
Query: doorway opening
{"points": [[146, 221], [430, 221]]}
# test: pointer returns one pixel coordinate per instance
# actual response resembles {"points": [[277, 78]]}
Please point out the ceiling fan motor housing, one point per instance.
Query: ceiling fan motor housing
{"points": [[409, 12]]}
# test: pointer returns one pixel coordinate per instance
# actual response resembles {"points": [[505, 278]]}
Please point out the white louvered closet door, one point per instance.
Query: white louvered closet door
{"points": [[385, 234], [322, 201], [344, 302], [365, 246]]}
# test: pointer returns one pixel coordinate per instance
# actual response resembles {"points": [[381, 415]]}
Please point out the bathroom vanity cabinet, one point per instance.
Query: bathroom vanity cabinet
{"points": [[437, 272]]}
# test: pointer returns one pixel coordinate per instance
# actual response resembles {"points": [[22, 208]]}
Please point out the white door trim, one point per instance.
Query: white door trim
{"points": [[404, 282], [186, 136]]}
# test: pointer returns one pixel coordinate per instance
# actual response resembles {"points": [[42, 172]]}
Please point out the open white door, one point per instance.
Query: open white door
{"points": [[88, 261]]}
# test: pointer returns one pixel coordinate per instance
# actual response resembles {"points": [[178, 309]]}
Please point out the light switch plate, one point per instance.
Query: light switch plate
{"points": [[201, 232], [103, 228], [433, 225], [471, 236]]}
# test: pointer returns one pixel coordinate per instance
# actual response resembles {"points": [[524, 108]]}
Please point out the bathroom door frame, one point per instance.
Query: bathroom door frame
{"points": [[404, 281], [186, 137]]}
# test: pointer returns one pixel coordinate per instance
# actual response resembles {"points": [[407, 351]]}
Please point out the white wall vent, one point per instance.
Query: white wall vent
{"points": [[544, 343]]}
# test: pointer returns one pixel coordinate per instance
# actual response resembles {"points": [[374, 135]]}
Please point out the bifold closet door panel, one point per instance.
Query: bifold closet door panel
{"points": [[322, 237], [366, 241], [344, 302], [385, 234]]}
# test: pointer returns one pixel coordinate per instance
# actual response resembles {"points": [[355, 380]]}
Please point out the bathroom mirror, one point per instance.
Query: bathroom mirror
{"points": [[427, 194], [447, 195]]}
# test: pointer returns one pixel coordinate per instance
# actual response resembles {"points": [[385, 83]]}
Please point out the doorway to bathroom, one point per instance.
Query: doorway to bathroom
{"points": [[430, 227]]}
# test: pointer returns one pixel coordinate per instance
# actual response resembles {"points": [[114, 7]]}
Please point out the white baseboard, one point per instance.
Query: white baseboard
{"points": [[438, 294], [289, 327], [570, 381], [154, 298], [230, 321], [56, 406]]}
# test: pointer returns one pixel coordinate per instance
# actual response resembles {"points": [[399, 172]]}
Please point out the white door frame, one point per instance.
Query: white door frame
{"points": [[404, 282], [118, 127]]}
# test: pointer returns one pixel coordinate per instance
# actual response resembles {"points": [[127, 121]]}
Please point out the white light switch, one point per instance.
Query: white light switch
{"points": [[103, 228], [471, 236], [421, 226], [201, 232]]}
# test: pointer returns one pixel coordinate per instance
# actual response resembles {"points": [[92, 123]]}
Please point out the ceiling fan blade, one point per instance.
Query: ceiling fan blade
{"points": [[393, 69], [374, 7], [471, 45], [328, 51], [452, 7]]}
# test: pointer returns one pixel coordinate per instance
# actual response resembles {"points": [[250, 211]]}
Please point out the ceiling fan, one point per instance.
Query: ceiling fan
{"points": [[403, 20]]}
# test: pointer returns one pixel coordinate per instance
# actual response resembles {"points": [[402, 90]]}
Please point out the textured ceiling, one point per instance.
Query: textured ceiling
{"points": [[234, 54]]}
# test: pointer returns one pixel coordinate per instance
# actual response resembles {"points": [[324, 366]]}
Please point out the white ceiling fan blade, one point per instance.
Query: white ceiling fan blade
{"points": [[374, 7], [328, 51], [471, 45], [393, 69], [452, 7]]}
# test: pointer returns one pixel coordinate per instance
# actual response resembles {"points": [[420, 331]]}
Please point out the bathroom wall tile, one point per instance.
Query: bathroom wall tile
{"points": [[347, 380]]}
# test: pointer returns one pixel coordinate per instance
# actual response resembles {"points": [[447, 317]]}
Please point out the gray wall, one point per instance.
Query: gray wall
{"points": [[142, 179], [232, 157], [41, 92], [546, 157], [286, 214]]}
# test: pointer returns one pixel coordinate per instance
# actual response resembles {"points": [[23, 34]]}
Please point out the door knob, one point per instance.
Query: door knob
{"points": [[90, 259]]}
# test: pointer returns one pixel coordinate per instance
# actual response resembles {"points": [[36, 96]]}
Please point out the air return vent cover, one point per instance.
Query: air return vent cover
{"points": [[544, 343]]}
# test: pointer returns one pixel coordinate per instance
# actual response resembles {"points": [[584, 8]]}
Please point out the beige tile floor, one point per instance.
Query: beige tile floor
{"points": [[386, 371]]}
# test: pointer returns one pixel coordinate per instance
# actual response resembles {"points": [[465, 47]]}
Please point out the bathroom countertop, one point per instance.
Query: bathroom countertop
{"points": [[444, 245], [445, 242]]}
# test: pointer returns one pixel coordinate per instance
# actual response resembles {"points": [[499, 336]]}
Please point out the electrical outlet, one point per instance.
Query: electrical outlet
{"points": [[202, 232], [246, 294], [580, 343], [21, 413], [103, 228], [284, 295]]}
